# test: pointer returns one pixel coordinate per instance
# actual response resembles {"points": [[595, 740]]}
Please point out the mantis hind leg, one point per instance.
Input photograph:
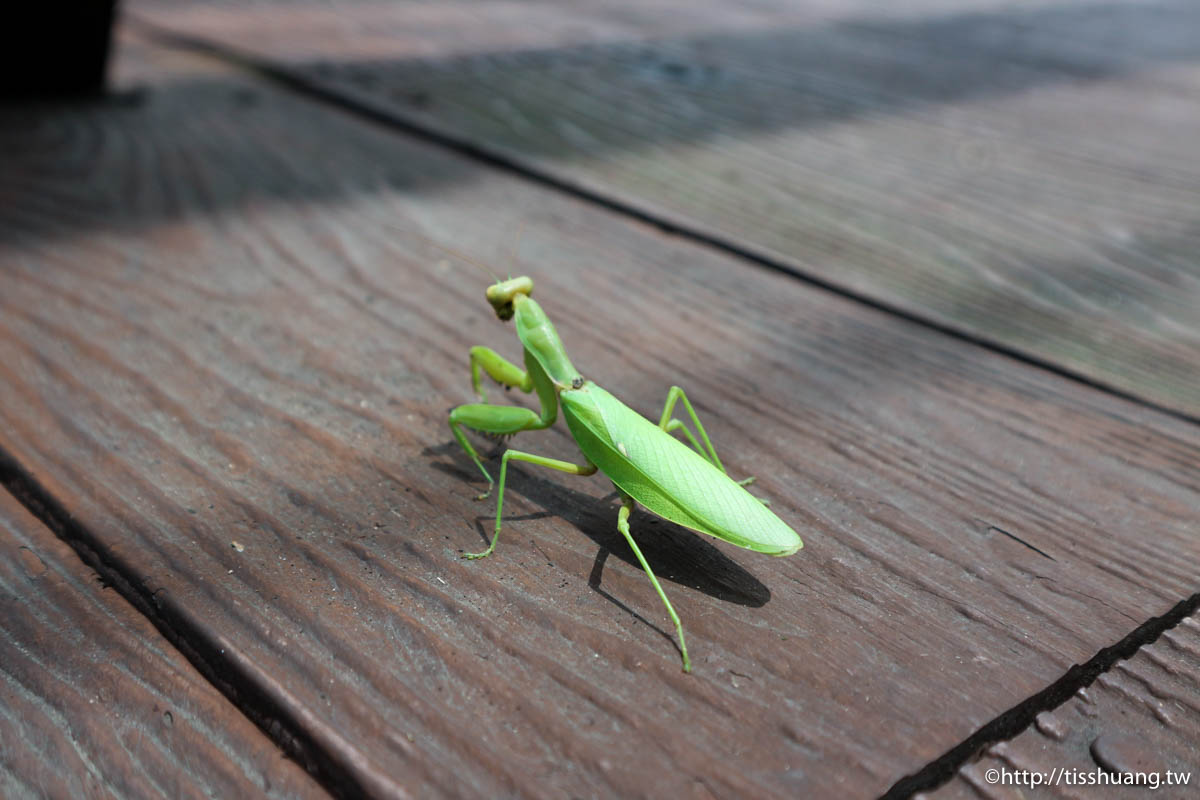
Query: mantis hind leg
{"points": [[516, 455], [623, 527], [670, 424]]}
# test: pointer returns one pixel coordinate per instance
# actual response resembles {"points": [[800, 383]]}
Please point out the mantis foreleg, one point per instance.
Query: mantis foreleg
{"points": [[499, 369], [501, 420], [669, 424], [553, 463], [623, 527], [494, 421]]}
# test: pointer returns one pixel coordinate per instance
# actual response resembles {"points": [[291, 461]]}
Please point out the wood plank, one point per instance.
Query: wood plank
{"points": [[222, 321], [94, 702], [1142, 716], [1020, 172]]}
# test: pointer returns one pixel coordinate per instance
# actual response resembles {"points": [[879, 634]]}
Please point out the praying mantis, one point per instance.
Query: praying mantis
{"points": [[683, 483]]}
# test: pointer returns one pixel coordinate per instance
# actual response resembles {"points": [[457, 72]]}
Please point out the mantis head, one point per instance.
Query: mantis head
{"points": [[502, 294]]}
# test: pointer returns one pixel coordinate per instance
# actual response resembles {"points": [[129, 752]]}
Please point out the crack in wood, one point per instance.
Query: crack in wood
{"points": [[1019, 540]]}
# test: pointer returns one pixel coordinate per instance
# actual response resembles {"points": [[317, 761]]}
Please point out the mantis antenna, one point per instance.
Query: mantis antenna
{"points": [[456, 253], [514, 257]]}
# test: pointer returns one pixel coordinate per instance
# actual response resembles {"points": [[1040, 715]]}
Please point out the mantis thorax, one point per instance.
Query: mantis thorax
{"points": [[537, 334]]}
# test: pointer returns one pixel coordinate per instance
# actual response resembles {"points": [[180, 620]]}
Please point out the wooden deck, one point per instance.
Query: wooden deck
{"points": [[930, 275]]}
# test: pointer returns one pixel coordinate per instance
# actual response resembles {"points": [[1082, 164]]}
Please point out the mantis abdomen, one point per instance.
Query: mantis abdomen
{"points": [[667, 477]]}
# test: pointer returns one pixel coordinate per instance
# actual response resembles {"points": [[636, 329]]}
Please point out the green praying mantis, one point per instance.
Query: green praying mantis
{"points": [[684, 484]]}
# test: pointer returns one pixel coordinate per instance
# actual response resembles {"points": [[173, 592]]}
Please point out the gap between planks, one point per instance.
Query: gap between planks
{"points": [[1016, 719], [206, 655], [96, 703], [296, 80]]}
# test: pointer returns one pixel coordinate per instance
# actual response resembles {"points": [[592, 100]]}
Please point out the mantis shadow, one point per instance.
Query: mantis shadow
{"points": [[675, 553]]}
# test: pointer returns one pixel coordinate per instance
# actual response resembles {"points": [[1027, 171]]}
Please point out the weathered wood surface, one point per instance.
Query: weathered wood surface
{"points": [[95, 703], [1141, 716], [222, 321], [1022, 172]]}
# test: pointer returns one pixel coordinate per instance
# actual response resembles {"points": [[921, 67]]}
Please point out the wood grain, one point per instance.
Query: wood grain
{"points": [[1021, 172], [95, 703], [1142, 716], [223, 320]]}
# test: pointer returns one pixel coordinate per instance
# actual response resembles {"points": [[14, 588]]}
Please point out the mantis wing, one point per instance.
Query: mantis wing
{"points": [[668, 477]]}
